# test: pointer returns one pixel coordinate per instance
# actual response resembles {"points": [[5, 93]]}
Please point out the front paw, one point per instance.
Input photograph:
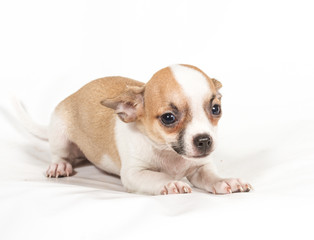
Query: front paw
{"points": [[176, 187], [230, 185]]}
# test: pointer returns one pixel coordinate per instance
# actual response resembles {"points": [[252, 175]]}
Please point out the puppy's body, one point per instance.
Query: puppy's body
{"points": [[83, 123], [152, 135]]}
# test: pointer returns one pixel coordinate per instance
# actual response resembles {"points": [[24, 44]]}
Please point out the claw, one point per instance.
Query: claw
{"points": [[57, 175], [68, 174], [49, 175], [185, 190], [248, 187], [240, 188], [175, 190], [229, 190]]}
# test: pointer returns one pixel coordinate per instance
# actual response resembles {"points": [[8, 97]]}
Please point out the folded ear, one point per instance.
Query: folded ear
{"points": [[217, 84], [128, 105]]}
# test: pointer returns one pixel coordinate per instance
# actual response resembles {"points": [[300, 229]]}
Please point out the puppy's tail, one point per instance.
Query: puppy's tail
{"points": [[33, 128]]}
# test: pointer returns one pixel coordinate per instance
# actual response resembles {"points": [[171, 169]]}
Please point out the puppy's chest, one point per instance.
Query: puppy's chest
{"points": [[172, 164]]}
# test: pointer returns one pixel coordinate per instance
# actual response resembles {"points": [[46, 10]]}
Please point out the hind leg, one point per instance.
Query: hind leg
{"points": [[59, 169], [64, 152]]}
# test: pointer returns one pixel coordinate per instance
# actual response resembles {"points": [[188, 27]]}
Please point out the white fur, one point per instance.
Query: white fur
{"points": [[63, 152], [58, 139], [107, 164], [33, 128], [196, 90], [146, 168]]}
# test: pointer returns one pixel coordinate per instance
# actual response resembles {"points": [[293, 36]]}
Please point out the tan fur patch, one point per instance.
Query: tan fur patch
{"points": [[90, 124], [161, 92]]}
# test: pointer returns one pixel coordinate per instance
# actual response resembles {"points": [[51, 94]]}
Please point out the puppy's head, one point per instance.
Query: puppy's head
{"points": [[178, 108]]}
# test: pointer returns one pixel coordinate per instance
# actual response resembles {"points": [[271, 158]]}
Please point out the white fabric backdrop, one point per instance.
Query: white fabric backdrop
{"points": [[262, 52]]}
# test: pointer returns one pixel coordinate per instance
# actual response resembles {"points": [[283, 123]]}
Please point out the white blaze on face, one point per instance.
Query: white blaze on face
{"points": [[196, 89]]}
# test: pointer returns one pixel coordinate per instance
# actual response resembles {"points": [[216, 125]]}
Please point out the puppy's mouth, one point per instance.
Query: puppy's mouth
{"points": [[180, 150], [198, 156]]}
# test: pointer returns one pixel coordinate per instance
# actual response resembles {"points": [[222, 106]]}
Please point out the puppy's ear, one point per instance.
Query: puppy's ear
{"points": [[217, 84], [129, 104]]}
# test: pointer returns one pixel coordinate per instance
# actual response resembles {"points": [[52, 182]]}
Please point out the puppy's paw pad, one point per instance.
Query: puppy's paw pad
{"points": [[230, 185], [176, 187], [62, 169]]}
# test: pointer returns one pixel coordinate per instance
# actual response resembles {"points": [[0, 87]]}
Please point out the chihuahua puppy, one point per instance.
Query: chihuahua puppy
{"points": [[151, 135]]}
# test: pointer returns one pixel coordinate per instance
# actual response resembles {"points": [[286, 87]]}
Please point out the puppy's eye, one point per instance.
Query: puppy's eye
{"points": [[216, 109], [168, 119]]}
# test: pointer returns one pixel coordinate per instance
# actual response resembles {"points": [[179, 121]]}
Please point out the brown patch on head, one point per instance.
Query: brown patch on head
{"points": [[162, 95], [183, 116]]}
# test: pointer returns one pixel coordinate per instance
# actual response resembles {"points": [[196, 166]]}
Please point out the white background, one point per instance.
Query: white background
{"points": [[261, 51]]}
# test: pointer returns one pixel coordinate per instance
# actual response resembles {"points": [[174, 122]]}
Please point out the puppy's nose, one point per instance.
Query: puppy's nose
{"points": [[203, 143]]}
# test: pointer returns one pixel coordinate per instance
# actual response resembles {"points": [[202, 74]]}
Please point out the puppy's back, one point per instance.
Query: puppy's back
{"points": [[89, 124]]}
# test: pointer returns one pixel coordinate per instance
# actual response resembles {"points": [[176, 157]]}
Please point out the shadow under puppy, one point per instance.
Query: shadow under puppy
{"points": [[151, 135]]}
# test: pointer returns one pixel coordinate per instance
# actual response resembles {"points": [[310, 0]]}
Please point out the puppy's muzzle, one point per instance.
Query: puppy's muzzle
{"points": [[202, 144]]}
